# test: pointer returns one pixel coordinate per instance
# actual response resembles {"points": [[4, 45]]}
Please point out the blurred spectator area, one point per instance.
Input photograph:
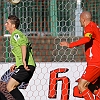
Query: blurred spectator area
{"points": [[45, 49]]}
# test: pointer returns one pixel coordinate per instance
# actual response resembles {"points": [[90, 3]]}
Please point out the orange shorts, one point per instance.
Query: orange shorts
{"points": [[91, 73]]}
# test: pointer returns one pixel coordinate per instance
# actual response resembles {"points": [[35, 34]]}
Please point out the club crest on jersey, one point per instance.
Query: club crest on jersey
{"points": [[16, 37]]}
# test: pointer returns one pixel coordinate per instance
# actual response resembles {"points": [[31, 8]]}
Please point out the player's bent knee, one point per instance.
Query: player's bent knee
{"points": [[80, 87], [8, 88], [83, 84], [12, 84]]}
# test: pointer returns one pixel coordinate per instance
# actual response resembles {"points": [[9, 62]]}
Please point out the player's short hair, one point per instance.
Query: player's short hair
{"points": [[14, 20]]}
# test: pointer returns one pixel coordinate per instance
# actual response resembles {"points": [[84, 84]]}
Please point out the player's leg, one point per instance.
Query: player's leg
{"points": [[12, 88], [90, 74], [77, 92], [92, 87], [20, 75], [97, 83], [83, 87], [14, 82], [95, 88], [97, 93], [2, 97], [17, 94]]}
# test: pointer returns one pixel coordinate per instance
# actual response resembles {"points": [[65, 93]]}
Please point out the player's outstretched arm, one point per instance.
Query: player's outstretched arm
{"points": [[79, 42], [64, 43]]}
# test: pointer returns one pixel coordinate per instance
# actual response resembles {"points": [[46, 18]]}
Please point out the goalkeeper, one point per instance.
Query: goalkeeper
{"points": [[91, 40], [25, 64]]}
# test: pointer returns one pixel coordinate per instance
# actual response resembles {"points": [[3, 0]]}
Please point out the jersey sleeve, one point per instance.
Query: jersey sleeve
{"points": [[20, 39], [88, 33], [79, 42]]}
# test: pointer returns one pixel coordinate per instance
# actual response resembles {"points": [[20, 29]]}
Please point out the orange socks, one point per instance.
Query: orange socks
{"points": [[97, 93], [87, 94], [77, 92]]}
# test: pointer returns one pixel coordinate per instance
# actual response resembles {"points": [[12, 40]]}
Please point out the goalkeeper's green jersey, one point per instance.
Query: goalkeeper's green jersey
{"points": [[17, 40]]}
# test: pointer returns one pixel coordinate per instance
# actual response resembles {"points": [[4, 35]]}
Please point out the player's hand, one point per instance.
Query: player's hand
{"points": [[12, 68], [64, 44], [25, 66]]}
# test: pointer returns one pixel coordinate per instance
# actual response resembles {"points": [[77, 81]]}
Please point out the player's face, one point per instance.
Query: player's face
{"points": [[82, 21], [8, 25]]}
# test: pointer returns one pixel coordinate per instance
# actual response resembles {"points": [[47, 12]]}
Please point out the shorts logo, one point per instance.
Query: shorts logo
{"points": [[16, 71]]}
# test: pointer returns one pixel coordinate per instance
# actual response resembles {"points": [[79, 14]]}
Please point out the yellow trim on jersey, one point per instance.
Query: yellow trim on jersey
{"points": [[88, 35]]}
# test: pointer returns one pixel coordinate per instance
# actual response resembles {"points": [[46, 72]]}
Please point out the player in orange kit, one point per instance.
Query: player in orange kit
{"points": [[91, 40]]}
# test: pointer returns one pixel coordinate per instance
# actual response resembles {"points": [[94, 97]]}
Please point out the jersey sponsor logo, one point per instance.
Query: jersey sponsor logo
{"points": [[16, 37]]}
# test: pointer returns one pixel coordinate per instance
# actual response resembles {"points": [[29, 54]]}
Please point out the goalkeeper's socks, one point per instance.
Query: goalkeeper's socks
{"points": [[17, 94], [87, 94]]}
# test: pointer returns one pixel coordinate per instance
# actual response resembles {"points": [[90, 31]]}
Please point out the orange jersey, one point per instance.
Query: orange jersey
{"points": [[91, 40]]}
